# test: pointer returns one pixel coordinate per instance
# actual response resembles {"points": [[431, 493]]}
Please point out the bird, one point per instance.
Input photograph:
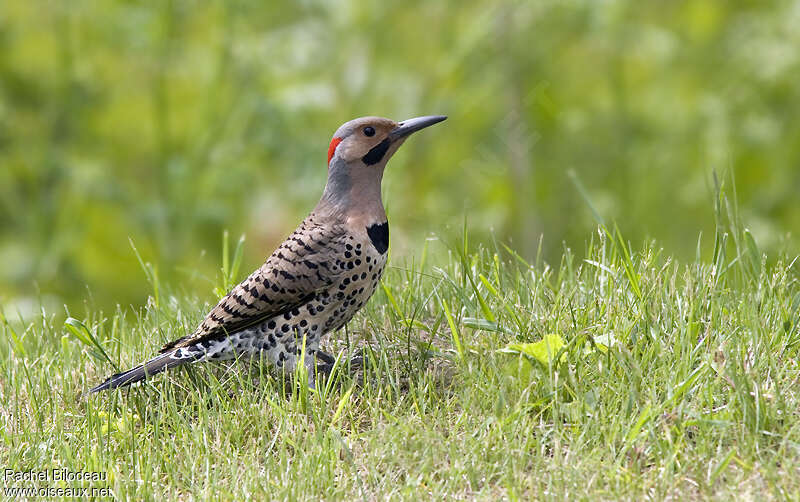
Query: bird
{"points": [[316, 280]]}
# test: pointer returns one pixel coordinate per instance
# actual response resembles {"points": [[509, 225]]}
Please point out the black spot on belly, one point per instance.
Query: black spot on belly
{"points": [[376, 154], [379, 235]]}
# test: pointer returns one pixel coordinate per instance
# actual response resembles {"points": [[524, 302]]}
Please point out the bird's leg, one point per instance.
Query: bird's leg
{"points": [[325, 357], [320, 365], [360, 359], [324, 363]]}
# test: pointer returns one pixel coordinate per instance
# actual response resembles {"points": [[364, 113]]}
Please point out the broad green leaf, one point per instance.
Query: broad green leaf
{"points": [[483, 324], [644, 417], [544, 351], [79, 331], [478, 323]]}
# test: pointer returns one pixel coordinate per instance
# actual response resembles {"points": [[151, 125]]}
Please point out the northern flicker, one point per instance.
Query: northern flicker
{"points": [[315, 281]]}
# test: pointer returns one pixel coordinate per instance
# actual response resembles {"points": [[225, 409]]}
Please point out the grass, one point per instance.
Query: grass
{"points": [[673, 380]]}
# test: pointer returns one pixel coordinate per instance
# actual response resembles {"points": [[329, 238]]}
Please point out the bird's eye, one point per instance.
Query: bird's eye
{"points": [[369, 131]]}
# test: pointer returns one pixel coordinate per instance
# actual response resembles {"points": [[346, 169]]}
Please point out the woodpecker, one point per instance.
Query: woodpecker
{"points": [[321, 275]]}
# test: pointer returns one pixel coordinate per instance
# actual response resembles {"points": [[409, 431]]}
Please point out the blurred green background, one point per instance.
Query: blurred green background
{"points": [[166, 122]]}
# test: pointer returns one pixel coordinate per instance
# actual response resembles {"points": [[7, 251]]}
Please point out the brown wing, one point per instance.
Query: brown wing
{"points": [[302, 266]]}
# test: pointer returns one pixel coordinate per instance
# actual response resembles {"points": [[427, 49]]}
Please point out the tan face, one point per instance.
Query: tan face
{"points": [[357, 138], [357, 155]]}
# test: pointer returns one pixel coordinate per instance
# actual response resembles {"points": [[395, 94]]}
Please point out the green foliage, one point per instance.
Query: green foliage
{"points": [[615, 388], [637, 371], [82, 333], [544, 351], [230, 266], [168, 122]]}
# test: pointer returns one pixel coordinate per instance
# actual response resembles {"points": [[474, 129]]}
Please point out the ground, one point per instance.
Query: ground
{"points": [[675, 381]]}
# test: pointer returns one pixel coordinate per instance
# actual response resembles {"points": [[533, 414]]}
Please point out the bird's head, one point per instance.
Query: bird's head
{"points": [[359, 151]]}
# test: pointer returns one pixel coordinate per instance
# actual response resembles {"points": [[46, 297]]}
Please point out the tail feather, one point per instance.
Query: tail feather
{"points": [[152, 367]]}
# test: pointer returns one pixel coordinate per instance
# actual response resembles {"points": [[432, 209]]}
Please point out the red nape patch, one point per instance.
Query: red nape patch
{"points": [[332, 149]]}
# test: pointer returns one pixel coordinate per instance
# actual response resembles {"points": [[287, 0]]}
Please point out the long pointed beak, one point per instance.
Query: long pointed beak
{"points": [[409, 126]]}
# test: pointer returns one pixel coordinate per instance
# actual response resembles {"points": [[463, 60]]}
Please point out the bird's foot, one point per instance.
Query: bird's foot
{"points": [[321, 369], [325, 363], [360, 360]]}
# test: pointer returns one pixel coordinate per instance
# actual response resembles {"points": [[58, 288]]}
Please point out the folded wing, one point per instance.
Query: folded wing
{"points": [[301, 267]]}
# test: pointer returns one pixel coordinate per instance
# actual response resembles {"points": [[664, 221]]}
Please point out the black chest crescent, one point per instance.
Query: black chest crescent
{"points": [[379, 235]]}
